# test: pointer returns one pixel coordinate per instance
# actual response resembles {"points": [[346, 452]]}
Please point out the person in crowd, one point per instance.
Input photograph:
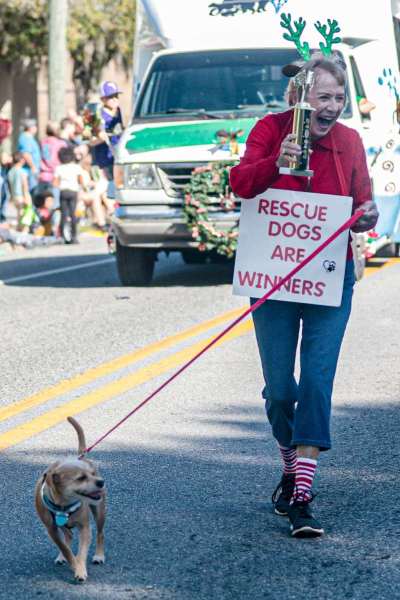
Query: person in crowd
{"points": [[108, 203], [6, 129], [68, 178], [299, 412], [77, 120], [93, 190], [29, 146], [43, 201], [6, 134], [5, 165], [10, 235], [50, 145], [67, 131], [104, 144], [19, 193]]}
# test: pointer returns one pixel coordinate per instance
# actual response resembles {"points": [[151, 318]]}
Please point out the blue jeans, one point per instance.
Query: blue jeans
{"points": [[299, 412], [32, 180]]}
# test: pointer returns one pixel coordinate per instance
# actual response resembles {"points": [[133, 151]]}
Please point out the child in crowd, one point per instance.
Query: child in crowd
{"points": [[43, 200], [68, 178], [19, 193], [105, 142]]}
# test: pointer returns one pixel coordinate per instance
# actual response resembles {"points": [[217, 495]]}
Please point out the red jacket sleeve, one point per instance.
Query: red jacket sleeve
{"points": [[361, 190], [257, 169]]}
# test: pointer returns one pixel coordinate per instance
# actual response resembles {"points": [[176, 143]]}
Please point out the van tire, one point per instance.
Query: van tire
{"points": [[135, 265]]}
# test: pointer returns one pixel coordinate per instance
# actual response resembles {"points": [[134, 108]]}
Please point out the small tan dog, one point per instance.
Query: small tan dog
{"points": [[64, 497]]}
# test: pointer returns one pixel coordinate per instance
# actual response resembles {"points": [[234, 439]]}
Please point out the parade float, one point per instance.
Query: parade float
{"points": [[202, 78]]}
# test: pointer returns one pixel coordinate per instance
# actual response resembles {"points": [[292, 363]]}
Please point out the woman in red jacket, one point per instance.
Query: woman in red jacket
{"points": [[299, 412]]}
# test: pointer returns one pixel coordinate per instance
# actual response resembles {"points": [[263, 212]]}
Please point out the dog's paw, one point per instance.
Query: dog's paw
{"points": [[98, 559], [80, 574], [60, 560]]}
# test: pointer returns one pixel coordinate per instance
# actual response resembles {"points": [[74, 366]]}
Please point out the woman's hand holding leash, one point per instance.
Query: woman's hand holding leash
{"points": [[369, 218]]}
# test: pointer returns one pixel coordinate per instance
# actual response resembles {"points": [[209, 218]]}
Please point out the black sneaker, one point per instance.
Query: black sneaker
{"points": [[283, 494], [302, 522]]}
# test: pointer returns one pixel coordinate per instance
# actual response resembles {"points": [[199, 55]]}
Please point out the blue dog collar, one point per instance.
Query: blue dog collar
{"points": [[61, 514]]}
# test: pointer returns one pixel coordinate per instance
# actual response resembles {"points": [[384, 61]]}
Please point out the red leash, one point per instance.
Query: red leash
{"points": [[249, 310]]}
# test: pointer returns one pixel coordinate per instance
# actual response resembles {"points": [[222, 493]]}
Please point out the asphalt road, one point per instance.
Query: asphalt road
{"points": [[189, 477]]}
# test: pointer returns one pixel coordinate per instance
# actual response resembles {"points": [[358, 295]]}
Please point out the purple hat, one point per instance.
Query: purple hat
{"points": [[109, 88]]}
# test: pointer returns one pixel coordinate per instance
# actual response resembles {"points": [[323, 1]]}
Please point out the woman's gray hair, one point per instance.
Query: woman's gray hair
{"points": [[333, 64]]}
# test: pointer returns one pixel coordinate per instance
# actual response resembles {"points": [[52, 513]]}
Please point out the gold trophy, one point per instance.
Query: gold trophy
{"points": [[301, 127]]}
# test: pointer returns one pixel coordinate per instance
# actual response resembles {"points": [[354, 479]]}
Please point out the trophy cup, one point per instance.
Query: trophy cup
{"points": [[301, 127]]}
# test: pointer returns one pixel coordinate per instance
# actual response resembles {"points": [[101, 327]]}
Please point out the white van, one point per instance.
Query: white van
{"points": [[214, 73]]}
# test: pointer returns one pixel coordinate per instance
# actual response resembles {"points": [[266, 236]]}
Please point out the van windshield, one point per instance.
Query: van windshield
{"points": [[220, 83]]}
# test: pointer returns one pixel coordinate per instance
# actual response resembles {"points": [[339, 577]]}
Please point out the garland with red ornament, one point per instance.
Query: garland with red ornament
{"points": [[208, 183]]}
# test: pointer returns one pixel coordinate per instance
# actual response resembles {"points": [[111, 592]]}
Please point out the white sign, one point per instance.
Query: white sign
{"points": [[278, 230]]}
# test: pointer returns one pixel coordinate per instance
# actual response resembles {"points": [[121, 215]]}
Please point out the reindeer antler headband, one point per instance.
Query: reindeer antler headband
{"points": [[295, 34]]}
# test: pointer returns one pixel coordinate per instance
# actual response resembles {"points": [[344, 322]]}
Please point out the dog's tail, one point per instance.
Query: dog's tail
{"points": [[81, 435]]}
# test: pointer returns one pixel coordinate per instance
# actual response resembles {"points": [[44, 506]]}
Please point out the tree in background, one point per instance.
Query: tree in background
{"points": [[23, 32], [23, 44], [99, 31]]}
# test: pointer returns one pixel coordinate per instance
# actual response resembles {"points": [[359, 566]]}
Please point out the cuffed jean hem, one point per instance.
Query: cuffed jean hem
{"points": [[323, 446]]}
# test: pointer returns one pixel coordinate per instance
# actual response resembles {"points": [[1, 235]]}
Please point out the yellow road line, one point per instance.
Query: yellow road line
{"points": [[384, 264], [111, 390], [370, 271], [391, 261], [108, 368], [69, 385]]}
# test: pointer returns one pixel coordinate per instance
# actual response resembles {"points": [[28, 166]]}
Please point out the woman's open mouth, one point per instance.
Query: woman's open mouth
{"points": [[325, 122]]}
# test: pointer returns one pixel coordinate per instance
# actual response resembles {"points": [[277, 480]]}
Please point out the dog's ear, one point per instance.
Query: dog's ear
{"points": [[51, 477], [56, 479]]}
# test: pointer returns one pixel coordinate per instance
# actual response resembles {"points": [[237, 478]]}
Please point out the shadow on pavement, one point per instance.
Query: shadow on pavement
{"points": [[169, 272], [191, 519]]}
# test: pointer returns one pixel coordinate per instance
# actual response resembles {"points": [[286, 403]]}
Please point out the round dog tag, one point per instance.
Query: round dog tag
{"points": [[61, 519]]}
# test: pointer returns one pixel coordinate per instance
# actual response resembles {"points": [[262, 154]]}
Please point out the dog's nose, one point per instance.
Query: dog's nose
{"points": [[100, 483]]}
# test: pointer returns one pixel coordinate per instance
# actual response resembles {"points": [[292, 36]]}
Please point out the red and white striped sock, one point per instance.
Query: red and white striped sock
{"points": [[289, 457], [305, 472]]}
